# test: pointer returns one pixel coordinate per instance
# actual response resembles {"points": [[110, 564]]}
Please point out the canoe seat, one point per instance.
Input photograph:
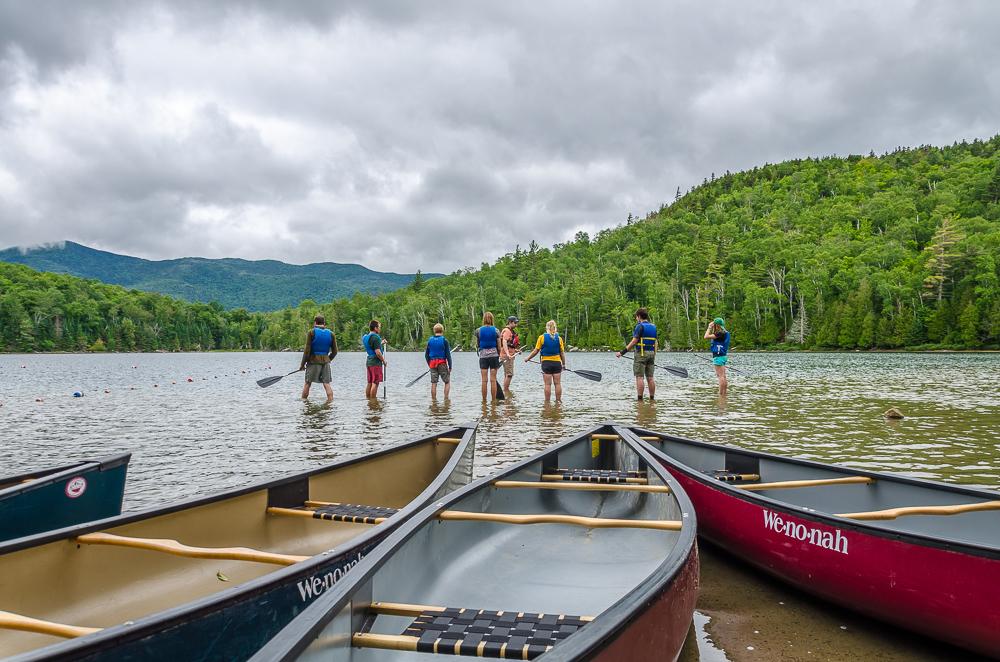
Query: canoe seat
{"points": [[480, 632], [733, 477], [355, 514], [595, 475]]}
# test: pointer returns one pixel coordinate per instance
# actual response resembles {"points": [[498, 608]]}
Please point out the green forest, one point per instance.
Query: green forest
{"points": [[898, 251]]}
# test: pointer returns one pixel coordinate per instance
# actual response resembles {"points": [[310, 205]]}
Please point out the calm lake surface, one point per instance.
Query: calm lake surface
{"points": [[221, 431]]}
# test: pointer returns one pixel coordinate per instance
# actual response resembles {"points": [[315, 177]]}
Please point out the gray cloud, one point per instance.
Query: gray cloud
{"points": [[437, 135]]}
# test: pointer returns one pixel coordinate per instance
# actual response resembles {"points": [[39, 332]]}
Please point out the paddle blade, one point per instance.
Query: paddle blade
{"points": [[500, 393], [268, 381], [678, 372], [416, 380], [589, 374]]}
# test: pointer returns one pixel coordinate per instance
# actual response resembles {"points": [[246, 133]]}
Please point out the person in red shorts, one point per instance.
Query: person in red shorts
{"points": [[375, 362]]}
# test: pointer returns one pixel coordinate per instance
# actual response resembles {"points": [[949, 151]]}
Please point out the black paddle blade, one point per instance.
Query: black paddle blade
{"points": [[673, 370], [268, 381], [589, 374], [417, 379], [500, 393]]}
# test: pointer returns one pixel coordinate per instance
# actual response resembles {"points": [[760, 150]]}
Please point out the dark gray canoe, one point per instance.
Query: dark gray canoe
{"points": [[62, 496], [584, 551]]}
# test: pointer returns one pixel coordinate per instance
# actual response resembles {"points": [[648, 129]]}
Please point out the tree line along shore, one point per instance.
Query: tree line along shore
{"points": [[892, 251]]}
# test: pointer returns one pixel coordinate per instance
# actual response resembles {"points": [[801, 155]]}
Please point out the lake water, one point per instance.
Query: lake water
{"points": [[220, 430]]}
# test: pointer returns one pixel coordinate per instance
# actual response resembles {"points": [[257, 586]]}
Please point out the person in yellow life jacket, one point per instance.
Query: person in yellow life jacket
{"points": [[321, 348], [553, 352], [644, 342]]}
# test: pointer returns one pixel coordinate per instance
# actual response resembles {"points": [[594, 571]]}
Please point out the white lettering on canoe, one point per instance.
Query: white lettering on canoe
{"points": [[312, 587], [818, 537]]}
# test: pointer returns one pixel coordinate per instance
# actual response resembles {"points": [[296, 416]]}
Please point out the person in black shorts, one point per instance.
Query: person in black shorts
{"points": [[553, 351], [487, 339]]}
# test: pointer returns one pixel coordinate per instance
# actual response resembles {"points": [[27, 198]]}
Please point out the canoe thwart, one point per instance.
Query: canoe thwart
{"points": [[597, 487], [179, 549], [733, 477], [10, 621], [788, 484], [608, 437], [449, 440], [893, 513], [596, 476], [475, 632], [591, 522]]}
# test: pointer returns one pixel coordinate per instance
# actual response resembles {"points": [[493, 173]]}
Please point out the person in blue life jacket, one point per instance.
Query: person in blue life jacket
{"points": [[550, 346], [487, 339], [644, 342], [438, 358], [375, 362], [719, 346], [321, 348]]}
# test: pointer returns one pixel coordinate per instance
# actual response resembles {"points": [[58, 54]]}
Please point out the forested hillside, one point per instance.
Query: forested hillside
{"points": [[896, 251]]}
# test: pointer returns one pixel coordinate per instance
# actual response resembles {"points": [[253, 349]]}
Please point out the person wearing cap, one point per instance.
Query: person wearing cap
{"points": [[719, 345], [321, 348], [644, 343], [509, 348]]}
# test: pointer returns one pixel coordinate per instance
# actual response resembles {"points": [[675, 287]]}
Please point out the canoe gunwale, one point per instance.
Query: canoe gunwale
{"points": [[831, 519], [296, 637], [108, 638], [43, 477]]}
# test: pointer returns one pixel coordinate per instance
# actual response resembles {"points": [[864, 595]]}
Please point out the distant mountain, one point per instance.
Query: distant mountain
{"points": [[257, 285]]}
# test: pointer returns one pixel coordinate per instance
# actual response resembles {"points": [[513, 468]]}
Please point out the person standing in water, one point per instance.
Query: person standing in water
{"points": [[719, 345], [321, 348], [438, 357], [553, 351], [487, 338], [644, 341], [509, 343], [375, 362]]}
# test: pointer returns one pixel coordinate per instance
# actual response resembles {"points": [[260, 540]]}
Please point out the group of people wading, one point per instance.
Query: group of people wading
{"points": [[500, 347]]}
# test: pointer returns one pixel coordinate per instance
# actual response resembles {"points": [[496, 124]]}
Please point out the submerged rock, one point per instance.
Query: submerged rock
{"points": [[893, 413]]}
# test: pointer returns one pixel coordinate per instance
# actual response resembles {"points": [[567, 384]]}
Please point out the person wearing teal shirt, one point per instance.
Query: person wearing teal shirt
{"points": [[719, 346], [375, 362]]}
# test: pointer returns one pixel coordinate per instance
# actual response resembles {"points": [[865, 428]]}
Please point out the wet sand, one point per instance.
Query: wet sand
{"points": [[746, 616]]}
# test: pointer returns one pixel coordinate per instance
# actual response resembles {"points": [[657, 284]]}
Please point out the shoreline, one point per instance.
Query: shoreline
{"points": [[571, 351]]}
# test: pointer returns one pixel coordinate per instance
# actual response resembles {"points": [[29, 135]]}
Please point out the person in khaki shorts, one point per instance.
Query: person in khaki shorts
{"points": [[321, 347], [438, 357], [644, 341], [509, 348]]}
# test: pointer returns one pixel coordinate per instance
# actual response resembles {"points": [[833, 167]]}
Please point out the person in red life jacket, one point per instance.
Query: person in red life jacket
{"points": [[321, 347], [553, 352], [438, 357], [509, 344], [487, 339], [372, 343], [719, 346], [644, 342]]}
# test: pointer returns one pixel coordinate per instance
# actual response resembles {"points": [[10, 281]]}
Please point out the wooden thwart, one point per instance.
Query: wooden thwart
{"points": [[572, 485], [448, 440], [591, 522], [561, 477], [615, 437], [893, 513], [850, 480], [9, 621], [178, 549]]}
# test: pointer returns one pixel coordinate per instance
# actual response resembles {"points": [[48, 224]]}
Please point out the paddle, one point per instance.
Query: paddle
{"points": [[426, 372], [736, 370], [673, 370], [268, 381], [385, 346], [586, 374]]}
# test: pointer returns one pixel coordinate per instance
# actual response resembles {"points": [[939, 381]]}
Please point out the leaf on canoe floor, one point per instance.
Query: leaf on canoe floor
{"points": [[221, 577]]}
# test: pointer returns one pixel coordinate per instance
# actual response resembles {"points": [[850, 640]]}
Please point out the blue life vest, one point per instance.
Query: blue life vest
{"points": [[488, 337], [550, 345], [720, 347], [366, 341], [322, 341], [435, 348], [646, 332]]}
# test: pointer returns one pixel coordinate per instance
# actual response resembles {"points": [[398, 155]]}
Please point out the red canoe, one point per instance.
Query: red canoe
{"points": [[920, 554]]}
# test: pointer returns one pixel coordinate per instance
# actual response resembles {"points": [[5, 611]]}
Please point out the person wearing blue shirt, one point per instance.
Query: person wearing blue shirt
{"points": [[321, 348], [719, 346]]}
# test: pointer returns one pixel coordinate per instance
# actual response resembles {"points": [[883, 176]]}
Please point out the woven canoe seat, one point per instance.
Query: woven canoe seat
{"points": [[733, 477], [349, 512], [598, 475], [498, 634]]}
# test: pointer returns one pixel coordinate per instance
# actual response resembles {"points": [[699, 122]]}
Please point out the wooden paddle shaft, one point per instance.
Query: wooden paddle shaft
{"points": [[905, 511], [179, 549], [592, 487], [590, 522], [9, 621], [788, 484]]}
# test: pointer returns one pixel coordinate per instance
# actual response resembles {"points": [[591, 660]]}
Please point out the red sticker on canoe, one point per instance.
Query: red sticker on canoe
{"points": [[76, 487]]}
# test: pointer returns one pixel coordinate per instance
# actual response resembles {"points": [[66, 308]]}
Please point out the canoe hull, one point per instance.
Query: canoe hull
{"points": [[53, 499], [879, 575]]}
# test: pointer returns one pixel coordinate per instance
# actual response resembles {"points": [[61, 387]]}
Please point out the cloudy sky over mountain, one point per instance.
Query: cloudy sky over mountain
{"points": [[436, 135]]}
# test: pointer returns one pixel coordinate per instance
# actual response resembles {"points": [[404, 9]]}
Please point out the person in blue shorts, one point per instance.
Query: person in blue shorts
{"points": [[719, 345]]}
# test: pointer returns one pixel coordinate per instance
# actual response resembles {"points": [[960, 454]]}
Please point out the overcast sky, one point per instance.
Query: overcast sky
{"points": [[436, 135]]}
